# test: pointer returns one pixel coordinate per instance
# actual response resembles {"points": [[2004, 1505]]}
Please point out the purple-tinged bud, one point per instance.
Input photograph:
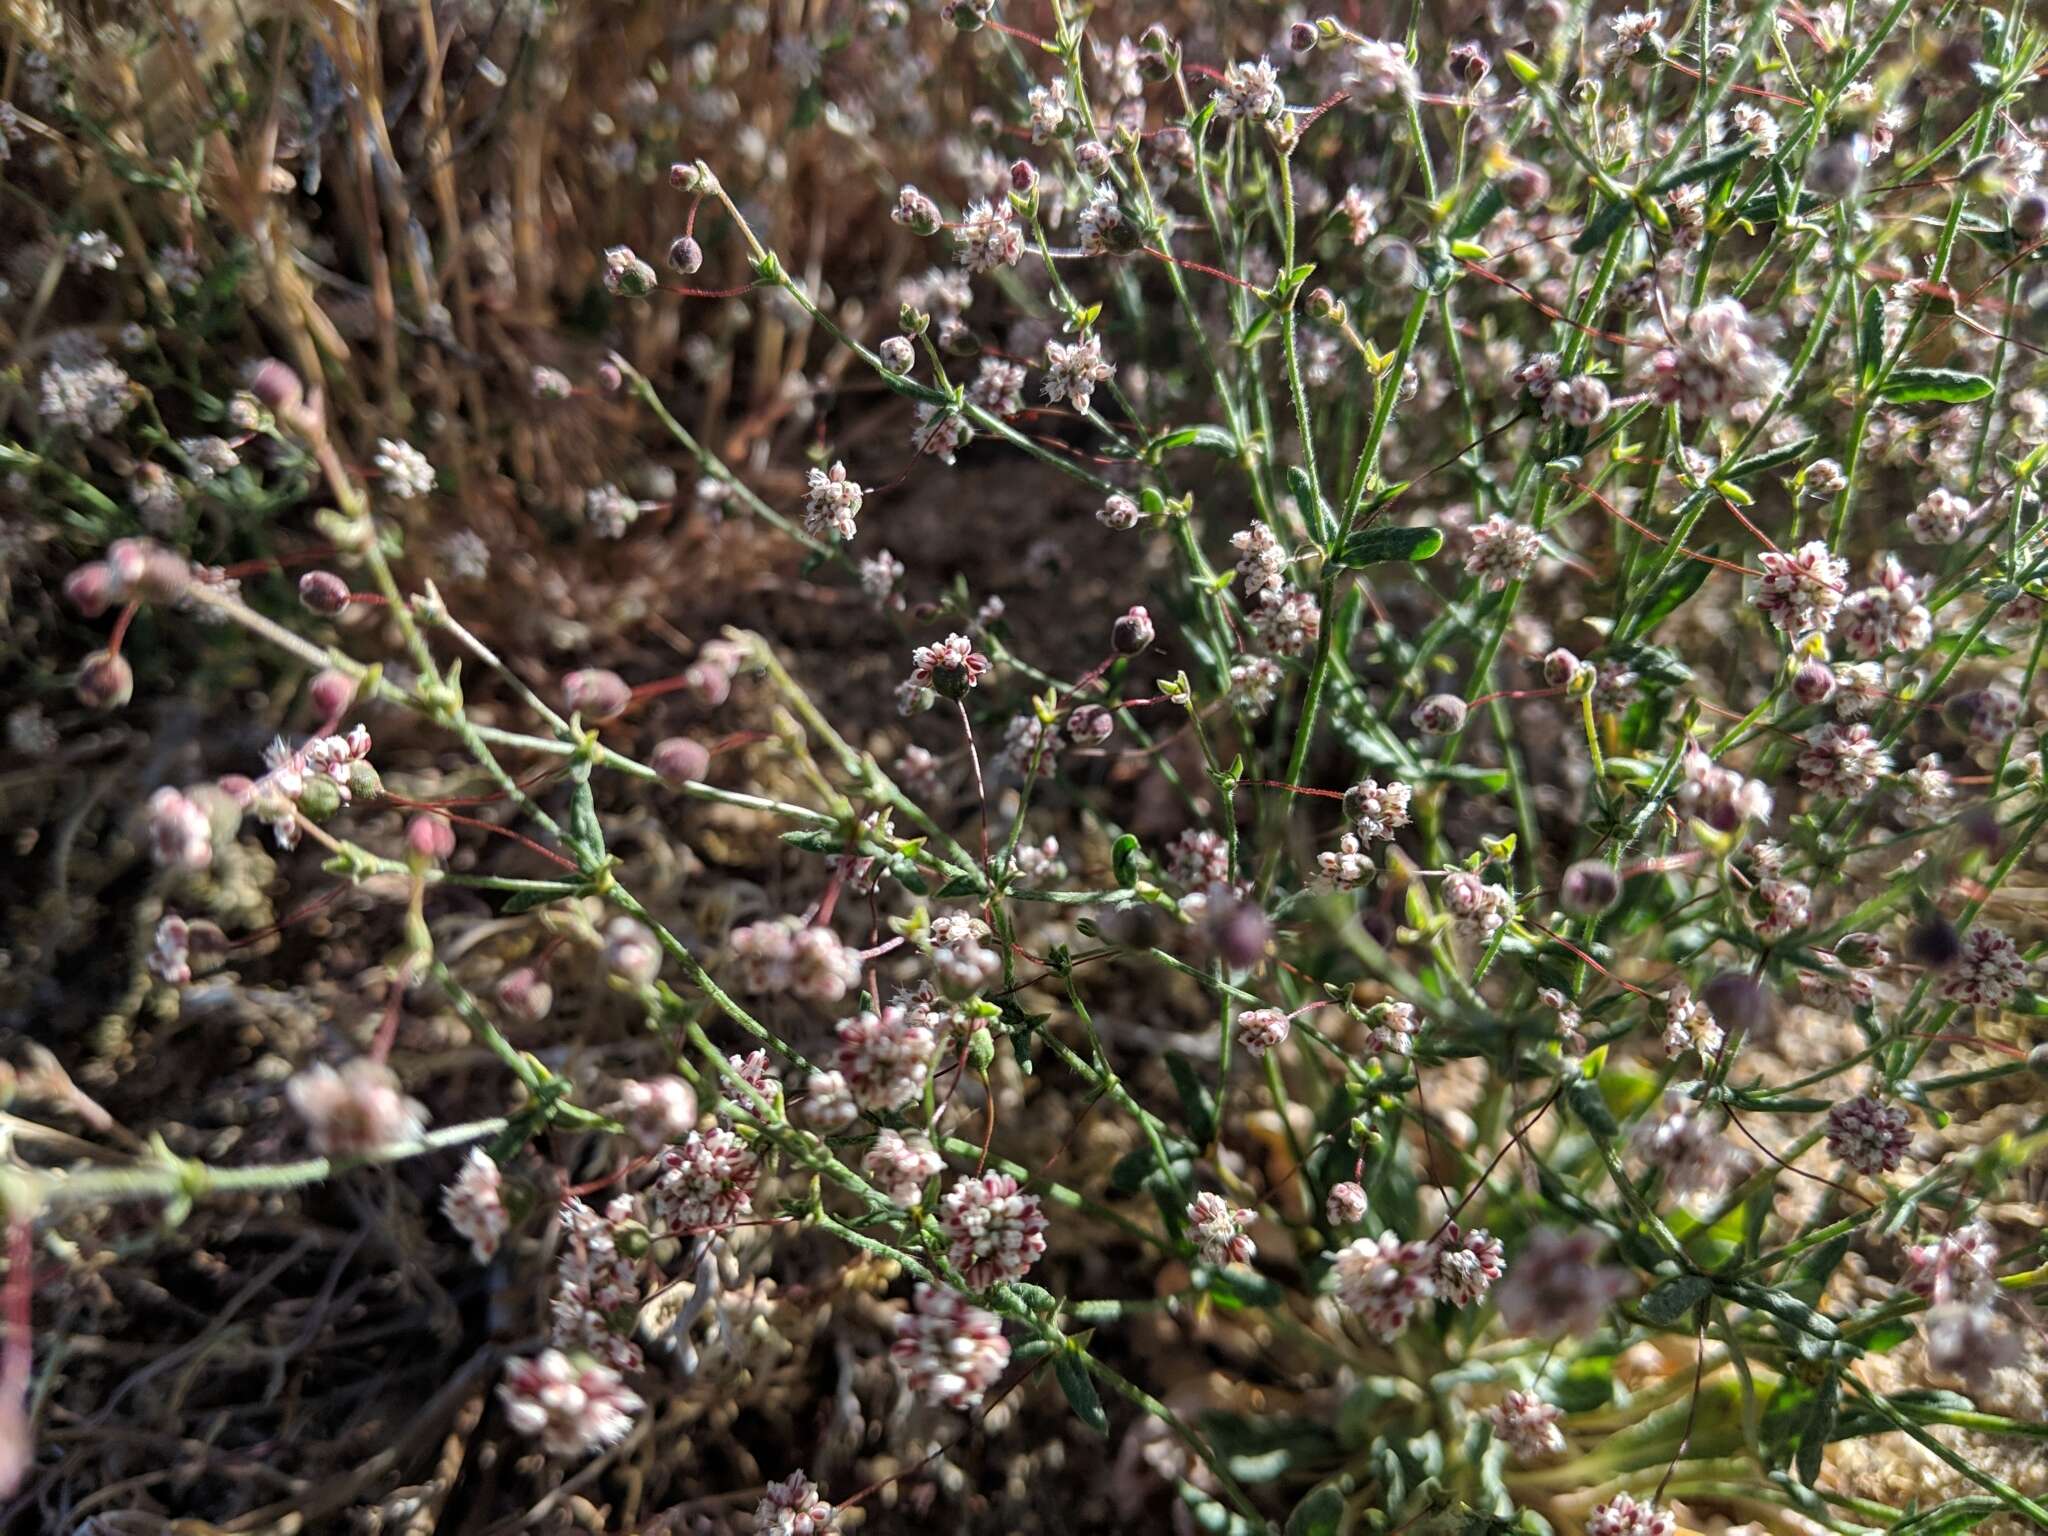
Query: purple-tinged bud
{"points": [[275, 383], [596, 694], [148, 571], [682, 176], [679, 760], [1132, 633], [2030, 215], [609, 378], [1090, 726], [1346, 1205], [1739, 1002], [105, 681], [331, 691], [1525, 185], [897, 354], [90, 589], [1589, 887], [1979, 826], [1862, 951], [1441, 714], [1301, 37], [1023, 176], [525, 994], [1813, 683], [685, 255], [1092, 155], [1560, 666], [323, 592], [1236, 930], [630, 952], [127, 562], [430, 838], [1322, 304]]}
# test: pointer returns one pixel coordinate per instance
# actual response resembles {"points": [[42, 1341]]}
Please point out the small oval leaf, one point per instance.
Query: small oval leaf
{"points": [[1943, 386]]}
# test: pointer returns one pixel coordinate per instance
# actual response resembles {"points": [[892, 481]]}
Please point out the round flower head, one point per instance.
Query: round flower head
{"points": [[1800, 591], [474, 1204], [901, 1165], [706, 1183], [1260, 1030], [1527, 1426], [950, 667], [832, 502], [1502, 551], [1467, 1264], [571, 1408], [987, 238], [996, 1231], [948, 1350], [793, 1508], [1345, 1205], [1073, 371], [1720, 363], [1869, 1136], [1383, 1280], [1556, 1288], [359, 1110], [1623, 1515], [1219, 1230], [1987, 972]]}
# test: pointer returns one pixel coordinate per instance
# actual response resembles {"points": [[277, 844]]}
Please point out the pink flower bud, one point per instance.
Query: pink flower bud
{"points": [[685, 255], [430, 838], [1132, 633], [1813, 683], [1559, 667], [331, 691], [1023, 176], [525, 994], [596, 694], [90, 589], [323, 592], [1441, 714], [679, 760], [1090, 725], [274, 383], [105, 681]]}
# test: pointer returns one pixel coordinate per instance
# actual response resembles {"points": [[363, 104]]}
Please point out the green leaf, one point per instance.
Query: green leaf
{"points": [[1376, 546], [1320, 1514], [1123, 859], [1673, 592], [1820, 1425], [1240, 1287], [1585, 1100], [1197, 1103], [583, 823], [1871, 337], [1757, 463], [1601, 225], [1652, 663], [1079, 1387], [1208, 436], [1489, 202], [961, 885], [526, 901], [1944, 386], [1707, 167], [1667, 1302], [1951, 1517]]}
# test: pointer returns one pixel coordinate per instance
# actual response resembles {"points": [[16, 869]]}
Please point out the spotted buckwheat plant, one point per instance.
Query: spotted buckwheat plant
{"points": [[1455, 683]]}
